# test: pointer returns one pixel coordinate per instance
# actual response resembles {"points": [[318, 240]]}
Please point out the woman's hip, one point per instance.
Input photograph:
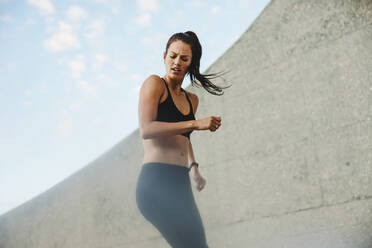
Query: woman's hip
{"points": [[163, 174], [164, 184]]}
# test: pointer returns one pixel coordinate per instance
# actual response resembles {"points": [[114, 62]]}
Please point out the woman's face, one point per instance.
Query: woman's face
{"points": [[177, 59]]}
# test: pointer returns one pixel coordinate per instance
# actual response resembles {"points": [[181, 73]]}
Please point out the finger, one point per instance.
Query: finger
{"points": [[217, 120]]}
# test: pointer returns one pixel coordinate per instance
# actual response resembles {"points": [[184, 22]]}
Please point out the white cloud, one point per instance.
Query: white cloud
{"points": [[65, 125], [121, 67], [245, 4], [98, 121], [99, 60], [95, 29], [148, 5], [136, 89], [107, 80], [215, 10], [6, 18], [45, 6], [102, 1], [196, 3], [114, 5], [27, 92], [77, 66], [143, 20], [136, 77], [115, 10], [30, 21], [89, 91], [76, 13], [75, 105], [51, 25], [64, 38], [43, 87], [150, 40], [50, 19], [27, 103], [151, 59]]}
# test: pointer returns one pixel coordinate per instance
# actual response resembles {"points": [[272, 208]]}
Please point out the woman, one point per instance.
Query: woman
{"points": [[166, 119]]}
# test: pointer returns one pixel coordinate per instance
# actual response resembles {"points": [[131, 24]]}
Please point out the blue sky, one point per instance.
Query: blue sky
{"points": [[70, 73]]}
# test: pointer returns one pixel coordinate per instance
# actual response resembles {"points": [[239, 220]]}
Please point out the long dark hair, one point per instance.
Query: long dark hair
{"points": [[191, 39]]}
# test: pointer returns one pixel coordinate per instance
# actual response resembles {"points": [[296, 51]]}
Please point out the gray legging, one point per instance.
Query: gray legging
{"points": [[164, 197]]}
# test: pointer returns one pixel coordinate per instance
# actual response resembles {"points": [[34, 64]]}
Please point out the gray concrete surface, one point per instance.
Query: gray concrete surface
{"points": [[291, 165]]}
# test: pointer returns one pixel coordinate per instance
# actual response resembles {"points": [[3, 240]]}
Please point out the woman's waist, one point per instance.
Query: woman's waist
{"points": [[162, 159], [164, 164], [166, 155]]}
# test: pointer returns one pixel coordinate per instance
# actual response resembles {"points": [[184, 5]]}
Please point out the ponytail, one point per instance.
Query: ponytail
{"points": [[191, 38]]}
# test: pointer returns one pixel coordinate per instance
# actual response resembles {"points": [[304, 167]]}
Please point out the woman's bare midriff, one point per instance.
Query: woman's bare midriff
{"points": [[168, 149]]}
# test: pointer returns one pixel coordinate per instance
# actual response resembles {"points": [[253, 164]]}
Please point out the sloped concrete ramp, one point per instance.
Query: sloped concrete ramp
{"points": [[291, 165]]}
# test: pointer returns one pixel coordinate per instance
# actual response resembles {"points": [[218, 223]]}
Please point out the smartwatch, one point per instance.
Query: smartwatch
{"points": [[192, 164]]}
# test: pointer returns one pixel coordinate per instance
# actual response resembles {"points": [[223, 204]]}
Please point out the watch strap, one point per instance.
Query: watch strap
{"points": [[193, 164]]}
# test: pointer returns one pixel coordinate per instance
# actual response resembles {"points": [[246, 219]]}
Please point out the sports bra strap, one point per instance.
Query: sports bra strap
{"points": [[192, 110], [188, 100], [166, 85]]}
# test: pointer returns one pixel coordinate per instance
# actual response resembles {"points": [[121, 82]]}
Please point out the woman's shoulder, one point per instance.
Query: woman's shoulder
{"points": [[194, 99], [153, 78], [193, 96], [153, 85]]}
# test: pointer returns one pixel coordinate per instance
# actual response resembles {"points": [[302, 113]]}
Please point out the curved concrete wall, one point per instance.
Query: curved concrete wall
{"points": [[289, 167]]}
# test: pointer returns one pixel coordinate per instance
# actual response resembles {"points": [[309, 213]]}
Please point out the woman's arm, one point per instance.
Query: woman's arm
{"points": [[195, 102], [150, 94], [200, 181], [196, 176], [191, 158]]}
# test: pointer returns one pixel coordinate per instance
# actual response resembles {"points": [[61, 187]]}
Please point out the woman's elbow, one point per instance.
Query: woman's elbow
{"points": [[144, 137], [144, 133]]}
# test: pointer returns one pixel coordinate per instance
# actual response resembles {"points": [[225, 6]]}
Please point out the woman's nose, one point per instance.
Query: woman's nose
{"points": [[177, 61]]}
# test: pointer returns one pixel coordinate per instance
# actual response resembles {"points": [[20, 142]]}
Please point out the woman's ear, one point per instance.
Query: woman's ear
{"points": [[165, 54]]}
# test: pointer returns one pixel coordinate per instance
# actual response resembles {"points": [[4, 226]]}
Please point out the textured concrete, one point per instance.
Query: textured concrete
{"points": [[291, 165]]}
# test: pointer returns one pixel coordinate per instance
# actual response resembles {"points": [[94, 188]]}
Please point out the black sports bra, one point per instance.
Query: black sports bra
{"points": [[168, 112]]}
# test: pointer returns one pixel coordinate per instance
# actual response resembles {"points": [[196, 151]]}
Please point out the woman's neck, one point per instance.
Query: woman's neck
{"points": [[174, 85]]}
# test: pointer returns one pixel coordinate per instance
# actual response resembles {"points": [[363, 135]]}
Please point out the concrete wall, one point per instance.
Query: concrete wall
{"points": [[291, 165]]}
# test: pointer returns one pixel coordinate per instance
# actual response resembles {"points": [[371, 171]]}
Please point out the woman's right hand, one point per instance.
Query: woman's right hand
{"points": [[212, 123]]}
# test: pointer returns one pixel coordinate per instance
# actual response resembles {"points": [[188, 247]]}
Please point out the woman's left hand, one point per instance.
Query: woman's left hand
{"points": [[200, 181]]}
